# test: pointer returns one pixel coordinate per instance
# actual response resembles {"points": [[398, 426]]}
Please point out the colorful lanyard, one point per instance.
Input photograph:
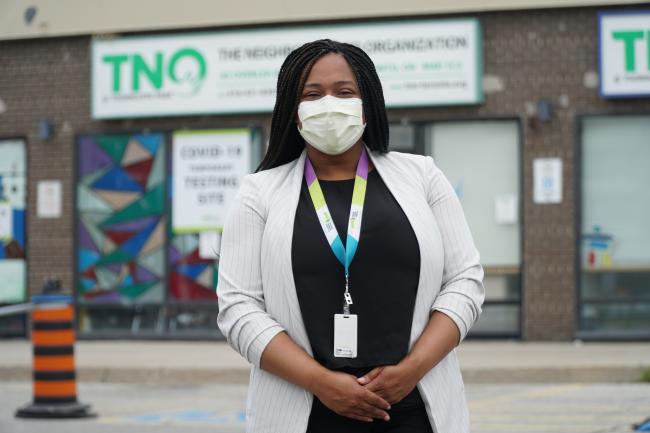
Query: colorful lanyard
{"points": [[343, 254]]}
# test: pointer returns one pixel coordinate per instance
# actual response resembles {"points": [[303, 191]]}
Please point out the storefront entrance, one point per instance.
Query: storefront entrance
{"points": [[13, 264], [135, 275], [482, 160], [614, 223]]}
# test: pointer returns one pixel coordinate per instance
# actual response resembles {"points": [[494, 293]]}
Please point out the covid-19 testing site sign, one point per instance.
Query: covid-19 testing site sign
{"points": [[208, 166]]}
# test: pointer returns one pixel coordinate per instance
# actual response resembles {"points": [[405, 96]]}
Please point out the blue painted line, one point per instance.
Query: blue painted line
{"points": [[191, 416]]}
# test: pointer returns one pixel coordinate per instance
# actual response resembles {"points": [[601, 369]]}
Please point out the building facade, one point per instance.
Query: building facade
{"points": [[555, 188]]}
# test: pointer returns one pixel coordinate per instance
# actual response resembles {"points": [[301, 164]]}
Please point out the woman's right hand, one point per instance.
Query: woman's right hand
{"points": [[342, 393]]}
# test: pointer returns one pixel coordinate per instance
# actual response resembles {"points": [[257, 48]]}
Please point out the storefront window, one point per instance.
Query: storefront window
{"points": [[135, 275], [481, 160], [13, 175], [615, 231]]}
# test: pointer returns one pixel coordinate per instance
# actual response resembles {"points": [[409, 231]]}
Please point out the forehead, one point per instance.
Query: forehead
{"points": [[331, 67]]}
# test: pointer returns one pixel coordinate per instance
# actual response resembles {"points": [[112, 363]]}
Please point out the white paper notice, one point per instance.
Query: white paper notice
{"points": [[6, 221], [547, 180], [505, 208], [209, 245], [48, 199]]}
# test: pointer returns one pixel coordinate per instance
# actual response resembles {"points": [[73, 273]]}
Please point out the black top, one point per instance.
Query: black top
{"points": [[383, 279]]}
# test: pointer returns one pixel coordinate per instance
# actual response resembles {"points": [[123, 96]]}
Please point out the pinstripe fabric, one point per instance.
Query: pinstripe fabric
{"points": [[257, 296]]}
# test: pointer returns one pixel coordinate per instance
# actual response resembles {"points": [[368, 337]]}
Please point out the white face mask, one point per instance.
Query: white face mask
{"points": [[330, 124]]}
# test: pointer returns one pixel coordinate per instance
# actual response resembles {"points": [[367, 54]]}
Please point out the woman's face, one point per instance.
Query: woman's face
{"points": [[330, 75]]}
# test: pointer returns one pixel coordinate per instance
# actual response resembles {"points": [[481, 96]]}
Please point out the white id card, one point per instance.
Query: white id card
{"points": [[345, 335]]}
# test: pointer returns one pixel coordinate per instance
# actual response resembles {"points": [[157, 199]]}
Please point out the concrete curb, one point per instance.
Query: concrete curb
{"points": [[198, 376]]}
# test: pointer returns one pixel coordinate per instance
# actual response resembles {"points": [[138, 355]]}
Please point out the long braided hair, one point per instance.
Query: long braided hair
{"points": [[285, 143]]}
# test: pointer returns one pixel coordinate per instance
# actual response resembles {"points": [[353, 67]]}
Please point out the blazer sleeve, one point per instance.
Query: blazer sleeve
{"points": [[462, 292], [242, 316]]}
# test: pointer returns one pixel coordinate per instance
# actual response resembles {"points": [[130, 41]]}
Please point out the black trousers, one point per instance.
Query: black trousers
{"points": [[407, 416]]}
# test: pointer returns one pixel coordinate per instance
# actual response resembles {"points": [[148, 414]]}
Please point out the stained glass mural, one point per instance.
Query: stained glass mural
{"points": [[121, 228], [191, 276], [135, 276]]}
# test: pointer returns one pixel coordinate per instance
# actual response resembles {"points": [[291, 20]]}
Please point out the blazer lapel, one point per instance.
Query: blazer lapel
{"points": [[293, 186]]}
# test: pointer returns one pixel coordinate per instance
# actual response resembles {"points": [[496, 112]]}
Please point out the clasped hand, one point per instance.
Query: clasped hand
{"points": [[369, 396]]}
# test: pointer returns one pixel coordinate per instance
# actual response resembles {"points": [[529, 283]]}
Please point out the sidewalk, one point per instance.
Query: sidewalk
{"points": [[174, 362]]}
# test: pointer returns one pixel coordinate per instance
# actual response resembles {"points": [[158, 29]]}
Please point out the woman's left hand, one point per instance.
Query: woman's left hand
{"points": [[391, 382]]}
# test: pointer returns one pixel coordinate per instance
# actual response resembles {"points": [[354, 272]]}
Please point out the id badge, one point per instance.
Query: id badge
{"points": [[345, 335]]}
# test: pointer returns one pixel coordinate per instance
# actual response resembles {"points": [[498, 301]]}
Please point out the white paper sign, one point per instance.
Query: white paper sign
{"points": [[505, 209], [209, 245], [208, 166], [547, 179], [6, 221], [48, 199], [12, 283], [420, 63], [625, 53]]}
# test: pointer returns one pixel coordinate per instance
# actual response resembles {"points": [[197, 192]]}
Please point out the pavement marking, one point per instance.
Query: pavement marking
{"points": [[187, 416], [586, 428], [546, 391]]}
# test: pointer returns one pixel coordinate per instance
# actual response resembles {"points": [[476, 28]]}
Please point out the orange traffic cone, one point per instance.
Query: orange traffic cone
{"points": [[54, 380]]}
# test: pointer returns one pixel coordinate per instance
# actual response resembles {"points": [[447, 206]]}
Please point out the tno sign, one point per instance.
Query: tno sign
{"points": [[140, 76], [186, 65], [624, 54]]}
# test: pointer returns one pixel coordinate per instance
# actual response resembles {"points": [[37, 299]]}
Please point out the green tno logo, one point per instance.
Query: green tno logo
{"points": [[184, 66], [630, 38]]}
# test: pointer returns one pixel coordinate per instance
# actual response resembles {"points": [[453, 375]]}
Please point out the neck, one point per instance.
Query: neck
{"points": [[336, 167]]}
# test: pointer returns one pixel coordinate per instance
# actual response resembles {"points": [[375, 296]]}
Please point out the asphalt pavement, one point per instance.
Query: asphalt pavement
{"points": [[183, 362], [214, 408]]}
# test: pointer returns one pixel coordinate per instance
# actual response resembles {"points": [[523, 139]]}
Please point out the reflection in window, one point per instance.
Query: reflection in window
{"points": [[13, 287], [615, 235], [481, 161]]}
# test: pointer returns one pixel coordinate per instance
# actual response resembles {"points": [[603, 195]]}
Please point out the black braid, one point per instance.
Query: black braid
{"points": [[285, 143]]}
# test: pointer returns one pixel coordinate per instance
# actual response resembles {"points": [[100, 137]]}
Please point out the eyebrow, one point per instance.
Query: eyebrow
{"points": [[341, 82]]}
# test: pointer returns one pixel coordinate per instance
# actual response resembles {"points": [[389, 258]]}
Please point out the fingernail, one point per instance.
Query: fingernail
{"points": [[386, 418]]}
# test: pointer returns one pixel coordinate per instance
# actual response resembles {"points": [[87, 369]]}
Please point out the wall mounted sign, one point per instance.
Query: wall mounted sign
{"points": [[48, 199], [207, 168], [420, 63], [624, 46], [547, 180]]}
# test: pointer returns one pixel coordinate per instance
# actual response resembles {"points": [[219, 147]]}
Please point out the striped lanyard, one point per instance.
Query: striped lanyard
{"points": [[343, 254]]}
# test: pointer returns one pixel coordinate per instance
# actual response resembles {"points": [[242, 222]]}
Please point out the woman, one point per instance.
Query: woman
{"points": [[348, 274]]}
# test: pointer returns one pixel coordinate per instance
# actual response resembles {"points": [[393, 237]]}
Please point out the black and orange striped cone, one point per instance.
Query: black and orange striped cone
{"points": [[53, 337]]}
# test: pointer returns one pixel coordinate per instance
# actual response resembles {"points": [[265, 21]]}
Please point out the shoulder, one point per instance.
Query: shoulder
{"points": [[269, 178], [416, 167], [260, 187]]}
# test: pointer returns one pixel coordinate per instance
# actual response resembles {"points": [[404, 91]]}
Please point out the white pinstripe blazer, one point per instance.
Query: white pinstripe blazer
{"points": [[257, 293]]}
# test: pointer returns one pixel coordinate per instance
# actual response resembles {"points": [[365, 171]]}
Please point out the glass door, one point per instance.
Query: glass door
{"points": [[135, 275], [614, 293], [482, 161], [13, 180]]}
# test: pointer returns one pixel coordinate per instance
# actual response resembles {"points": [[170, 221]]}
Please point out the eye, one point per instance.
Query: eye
{"points": [[311, 95]]}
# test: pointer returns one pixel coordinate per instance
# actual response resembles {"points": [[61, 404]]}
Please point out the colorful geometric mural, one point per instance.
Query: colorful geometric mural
{"points": [[191, 277], [122, 229], [12, 221]]}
